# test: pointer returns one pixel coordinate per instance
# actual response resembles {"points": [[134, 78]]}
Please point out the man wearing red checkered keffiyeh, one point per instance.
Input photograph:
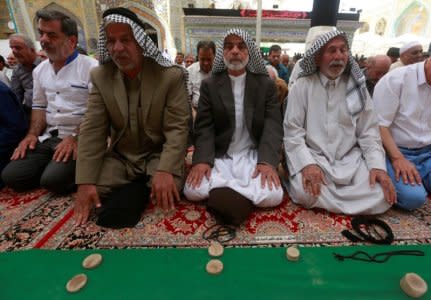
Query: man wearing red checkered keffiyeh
{"points": [[139, 100]]}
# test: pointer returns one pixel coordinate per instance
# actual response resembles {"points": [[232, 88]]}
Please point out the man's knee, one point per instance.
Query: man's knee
{"points": [[123, 207], [412, 198], [299, 196], [59, 177], [15, 177], [272, 198], [196, 194], [229, 206]]}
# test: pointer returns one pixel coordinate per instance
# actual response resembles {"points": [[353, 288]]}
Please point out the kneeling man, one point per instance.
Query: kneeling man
{"points": [[402, 102], [140, 100], [333, 147], [237, 134]]}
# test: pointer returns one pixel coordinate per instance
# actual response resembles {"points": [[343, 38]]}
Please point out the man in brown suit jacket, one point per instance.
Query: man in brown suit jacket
{"points": [[140, 100], [237, 134]]}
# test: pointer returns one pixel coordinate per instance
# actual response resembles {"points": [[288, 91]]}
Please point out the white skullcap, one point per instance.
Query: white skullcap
{"points": [[314, 33], [408, 46]]}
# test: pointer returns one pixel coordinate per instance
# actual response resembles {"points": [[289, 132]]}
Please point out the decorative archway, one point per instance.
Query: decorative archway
{"points": [[154, 28], [82, 42], [414, 20]]}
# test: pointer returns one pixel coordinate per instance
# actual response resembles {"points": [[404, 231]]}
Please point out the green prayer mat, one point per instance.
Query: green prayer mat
{"points": [[249, 273]]}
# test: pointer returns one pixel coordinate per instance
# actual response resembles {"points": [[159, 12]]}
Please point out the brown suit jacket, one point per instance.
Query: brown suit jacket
{"points": [[164, 115], [215, 120]]}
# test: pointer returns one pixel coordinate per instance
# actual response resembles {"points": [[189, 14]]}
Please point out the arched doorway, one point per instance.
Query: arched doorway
{"points": [[414, 20], [153, 27]]}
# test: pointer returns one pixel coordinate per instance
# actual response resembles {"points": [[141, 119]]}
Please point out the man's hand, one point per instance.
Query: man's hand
{"points": [[29, 141], [197, 173], [407, 170], [267, 175], [312, 179], [66, 148], [86, 198], [380, 176], [164, 190]]}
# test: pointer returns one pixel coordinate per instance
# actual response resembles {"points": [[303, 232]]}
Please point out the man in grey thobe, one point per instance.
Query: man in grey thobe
{"points": [[333, 147]]}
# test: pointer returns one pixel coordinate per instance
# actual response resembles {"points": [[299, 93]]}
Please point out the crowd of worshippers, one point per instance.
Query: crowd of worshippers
{"points": [[116, 130]]}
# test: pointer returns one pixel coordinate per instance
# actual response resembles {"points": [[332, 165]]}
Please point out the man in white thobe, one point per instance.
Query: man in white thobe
{"points": [[333, 147]]}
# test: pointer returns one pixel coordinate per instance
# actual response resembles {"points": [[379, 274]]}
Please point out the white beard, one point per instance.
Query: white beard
{"points": [[236, 66]]}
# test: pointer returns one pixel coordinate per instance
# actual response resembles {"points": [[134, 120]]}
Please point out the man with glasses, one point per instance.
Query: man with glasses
{"points": [[237, 134]]}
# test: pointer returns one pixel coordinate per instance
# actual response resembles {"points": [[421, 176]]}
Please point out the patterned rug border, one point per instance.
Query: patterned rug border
{"points": [[47, 223]]}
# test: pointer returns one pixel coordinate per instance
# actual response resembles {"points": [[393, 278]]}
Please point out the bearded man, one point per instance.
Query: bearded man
{"points": [[237, 134], [334, 153]]}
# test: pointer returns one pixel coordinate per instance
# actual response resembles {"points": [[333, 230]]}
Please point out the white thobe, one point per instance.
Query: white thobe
{"points": [[236, 168], [196, 75], [318, 129]]}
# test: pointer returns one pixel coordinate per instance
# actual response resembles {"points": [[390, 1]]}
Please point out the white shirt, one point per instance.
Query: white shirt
{"points": [[195, 78], [402, 99], [63, 95], [241, 140]]}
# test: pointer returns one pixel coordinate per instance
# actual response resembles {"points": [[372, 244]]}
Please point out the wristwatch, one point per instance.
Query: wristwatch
{"points": [[75, 136]]}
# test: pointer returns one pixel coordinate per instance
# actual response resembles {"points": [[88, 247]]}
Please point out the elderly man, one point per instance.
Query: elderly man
{"points": [[200, 70], [189, 60], [377, 67], [22, 78], [332, 142], [402, 102], [410, 53], [139, 99], [46, 156], [237, 134]]}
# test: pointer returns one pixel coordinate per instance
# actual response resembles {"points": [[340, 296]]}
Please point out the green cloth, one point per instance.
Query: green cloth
{"points": [[249, 273]]}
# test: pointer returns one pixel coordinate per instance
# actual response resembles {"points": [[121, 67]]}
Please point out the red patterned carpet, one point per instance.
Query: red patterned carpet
{"points": [[40, 220]]}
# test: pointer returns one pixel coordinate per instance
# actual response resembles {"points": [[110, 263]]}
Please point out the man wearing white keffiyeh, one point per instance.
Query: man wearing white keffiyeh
{"points": [[139, 99], [237, 134], [333, 147]]}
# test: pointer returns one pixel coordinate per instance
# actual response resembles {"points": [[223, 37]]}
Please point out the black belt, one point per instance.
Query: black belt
{"points": [[220, 232]]}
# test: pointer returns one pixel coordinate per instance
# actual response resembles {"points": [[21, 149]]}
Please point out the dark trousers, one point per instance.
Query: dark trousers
{"points": [[4, 160], [228, 206], [38, 169], [124, 206]]}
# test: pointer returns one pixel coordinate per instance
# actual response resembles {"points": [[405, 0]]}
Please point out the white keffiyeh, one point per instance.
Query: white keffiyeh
{"points": [[356, 93]]}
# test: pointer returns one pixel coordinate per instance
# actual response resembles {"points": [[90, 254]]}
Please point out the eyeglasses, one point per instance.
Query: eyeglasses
{"points": [[229, 46]]}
